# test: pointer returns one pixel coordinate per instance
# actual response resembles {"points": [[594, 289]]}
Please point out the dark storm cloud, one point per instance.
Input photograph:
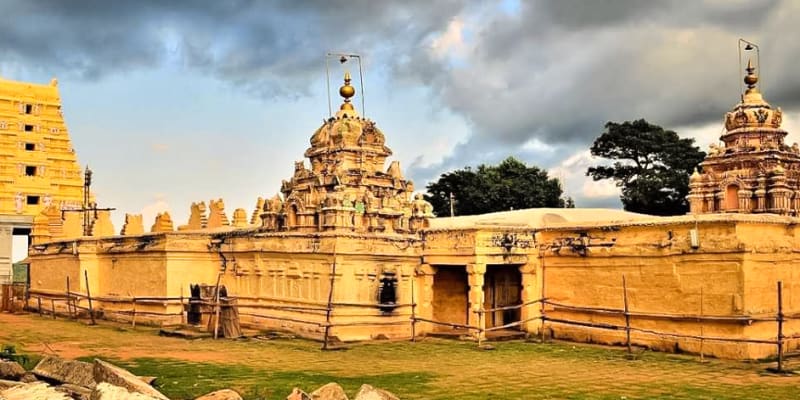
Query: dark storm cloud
{"points": [[267, 47], [560, 70], [555, 72]]}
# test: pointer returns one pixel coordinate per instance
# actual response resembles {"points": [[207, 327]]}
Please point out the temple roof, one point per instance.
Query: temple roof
{"points": [[536, 218]]}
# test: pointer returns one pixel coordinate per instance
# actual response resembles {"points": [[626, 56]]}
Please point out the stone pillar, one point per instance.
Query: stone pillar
{"points": [[423, 293], [475, 274], [719, 201], [744, 200], [531, 290], [6, 246], [709, 199]]}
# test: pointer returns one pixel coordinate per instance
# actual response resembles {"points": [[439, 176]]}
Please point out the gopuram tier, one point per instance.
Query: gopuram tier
{"points": [[346, 187], [753, 171]]}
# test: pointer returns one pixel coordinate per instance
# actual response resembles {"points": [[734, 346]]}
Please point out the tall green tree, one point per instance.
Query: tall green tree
{"points": [[651, 165], [489, 188]]}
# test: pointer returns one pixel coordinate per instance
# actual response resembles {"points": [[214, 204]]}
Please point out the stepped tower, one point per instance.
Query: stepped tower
{"points": [[348, 186], [38, 166], [753, 171]]}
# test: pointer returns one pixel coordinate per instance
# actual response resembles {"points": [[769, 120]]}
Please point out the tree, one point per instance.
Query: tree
{"points": [[489, 188], [651, 165]]}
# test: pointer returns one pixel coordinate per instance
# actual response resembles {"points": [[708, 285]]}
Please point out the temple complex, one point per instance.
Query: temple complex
{"points": [[348, 251], [753, 171], [38, 166]]}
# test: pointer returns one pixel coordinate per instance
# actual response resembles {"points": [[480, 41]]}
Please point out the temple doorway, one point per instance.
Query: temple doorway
{"points": [[450, 297], [502, 288]]}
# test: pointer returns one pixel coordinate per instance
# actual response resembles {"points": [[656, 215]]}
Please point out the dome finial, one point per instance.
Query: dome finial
{"points": [[751, 78], [347, 91]]}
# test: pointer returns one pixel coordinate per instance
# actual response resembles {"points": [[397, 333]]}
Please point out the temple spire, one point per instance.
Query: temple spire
{"points": [[751, 78], [347, 91]]}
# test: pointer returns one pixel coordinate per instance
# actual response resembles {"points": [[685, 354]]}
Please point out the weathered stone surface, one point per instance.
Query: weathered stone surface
{"points": [[107, 391], [148, 379], [224, 394], [28, 377], [106, 372], [298, 394], [34, 391], [75, 391], [331, 391], [11, 370], [367, 392], [6, 384], [65, 371]]}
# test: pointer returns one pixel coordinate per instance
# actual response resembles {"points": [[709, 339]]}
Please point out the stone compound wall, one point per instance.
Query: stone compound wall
{"points": [[282, 280], [734, 268]]}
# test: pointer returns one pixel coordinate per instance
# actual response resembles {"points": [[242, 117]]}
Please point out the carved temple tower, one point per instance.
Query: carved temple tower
{"points": [[754, 171], [347, 187], [38, 166]]}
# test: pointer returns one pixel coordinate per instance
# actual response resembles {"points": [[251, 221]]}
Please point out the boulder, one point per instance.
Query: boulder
{"points": [[4, 384], [224, 394], [106, 372], [29, 377], [107, 391], [331, 391], [367, 392], [33, 391], [65, 371], [11, 370], [75, 391], [298, 394]]}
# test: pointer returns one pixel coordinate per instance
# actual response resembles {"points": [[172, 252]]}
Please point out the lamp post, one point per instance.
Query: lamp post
{"points": [[748, 46], [343, 58]]}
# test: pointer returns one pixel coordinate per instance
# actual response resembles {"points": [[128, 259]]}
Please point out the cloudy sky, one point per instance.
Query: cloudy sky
{"points": [[174, 102]]}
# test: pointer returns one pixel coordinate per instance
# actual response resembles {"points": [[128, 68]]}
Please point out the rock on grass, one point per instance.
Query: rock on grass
{"points": [[367, 392], [106, 372]]}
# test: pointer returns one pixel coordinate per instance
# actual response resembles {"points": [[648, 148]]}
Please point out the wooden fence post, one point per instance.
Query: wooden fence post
{"points": [[69, 301], [183, 309], [413, 312], [217, 307], [53, 307], [780, 326], [702, 359], [133, 319], [329, 310], [39, 302], [89, 297], [627, 315]]}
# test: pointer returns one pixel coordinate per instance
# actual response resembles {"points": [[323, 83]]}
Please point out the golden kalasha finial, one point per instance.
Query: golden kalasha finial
{"points": [[751, 78], [347, 91]]}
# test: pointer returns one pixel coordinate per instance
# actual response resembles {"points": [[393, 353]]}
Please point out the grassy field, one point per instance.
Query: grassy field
{"points": [[430, 369]]}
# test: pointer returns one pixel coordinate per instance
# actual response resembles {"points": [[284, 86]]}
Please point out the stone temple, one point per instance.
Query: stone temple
{"points": [[754, 171], [346, 250]]}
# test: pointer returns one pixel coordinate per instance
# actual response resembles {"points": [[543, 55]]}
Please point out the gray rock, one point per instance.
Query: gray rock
{"points": [[331, 391], [224, 394], [106, 372], [107, 391], [65, 371], [4, 384], [298, 394], [11, 370], [33, 391], [367, 392], [75, 391]]}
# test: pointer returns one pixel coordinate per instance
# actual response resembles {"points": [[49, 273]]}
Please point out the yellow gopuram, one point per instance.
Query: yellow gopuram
{"points": [[38, 166]]}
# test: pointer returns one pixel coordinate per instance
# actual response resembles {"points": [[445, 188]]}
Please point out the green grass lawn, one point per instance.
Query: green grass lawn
{"points": [[430, 369]]}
